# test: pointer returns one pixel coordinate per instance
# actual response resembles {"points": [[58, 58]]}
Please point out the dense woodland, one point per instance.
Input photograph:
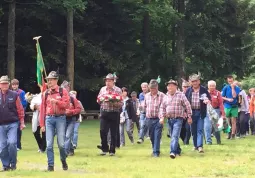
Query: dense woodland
{"points": [[137, 39]]}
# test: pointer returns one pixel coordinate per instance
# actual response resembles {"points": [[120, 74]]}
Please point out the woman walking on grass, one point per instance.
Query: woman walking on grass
{"points": [[127, 116]]}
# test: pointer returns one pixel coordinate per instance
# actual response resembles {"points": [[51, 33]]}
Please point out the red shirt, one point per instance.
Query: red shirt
{"points": [[58, 108], [74, 109], [217, 101]]}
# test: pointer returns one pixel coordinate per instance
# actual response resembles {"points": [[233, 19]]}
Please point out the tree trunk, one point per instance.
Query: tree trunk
{"points": [[145, 24], [70, 47], [180, 42], [11, 40], [145, 38]]}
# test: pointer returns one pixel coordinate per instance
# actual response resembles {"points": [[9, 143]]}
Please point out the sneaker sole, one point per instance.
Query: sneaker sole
{"points": [[172, 156]]}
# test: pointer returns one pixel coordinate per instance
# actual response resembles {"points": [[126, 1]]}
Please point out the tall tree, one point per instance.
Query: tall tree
{"points": [[70, 47], [180, 43], [11, 40]]}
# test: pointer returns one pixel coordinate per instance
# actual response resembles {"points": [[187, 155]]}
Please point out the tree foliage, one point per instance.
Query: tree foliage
{"points": [[109, 37]]}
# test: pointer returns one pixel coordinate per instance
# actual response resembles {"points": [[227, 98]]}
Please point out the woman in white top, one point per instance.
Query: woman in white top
{"points": [[35, 107]]}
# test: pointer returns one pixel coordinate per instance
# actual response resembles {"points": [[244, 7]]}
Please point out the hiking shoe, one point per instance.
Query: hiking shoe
{"points": [[74, 146], [50, 168], [112, 154], [103, 153], [5, 169], [232, 136], [200, 150], [140, 141], [172, 155], [64, 165], [195, 149]]}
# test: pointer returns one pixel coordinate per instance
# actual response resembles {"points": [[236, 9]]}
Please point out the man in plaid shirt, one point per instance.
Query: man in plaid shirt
{"points": [[109, 115], [152, 103], [175, 107]]}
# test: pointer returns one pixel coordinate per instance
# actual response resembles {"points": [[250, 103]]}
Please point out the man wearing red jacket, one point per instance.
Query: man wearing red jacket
{"points": [[55, 102], [11, 114], [72, 115]]}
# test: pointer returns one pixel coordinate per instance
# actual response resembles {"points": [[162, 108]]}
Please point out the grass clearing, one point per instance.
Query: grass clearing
{"points": [[236, 158]]}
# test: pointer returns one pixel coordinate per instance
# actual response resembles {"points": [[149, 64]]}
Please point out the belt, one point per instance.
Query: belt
{"points": [[55, 115], [108, 110], [217, 107]]}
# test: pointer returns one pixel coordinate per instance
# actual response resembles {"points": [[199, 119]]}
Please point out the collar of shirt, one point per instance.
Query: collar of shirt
{"points": [[154, 95], [214, 92], [177, 92], [55, 89]]}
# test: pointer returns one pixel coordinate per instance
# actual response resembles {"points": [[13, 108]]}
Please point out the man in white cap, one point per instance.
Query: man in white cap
{"points": [[199, 110], [55, 102], [109, 115], [11, 114]]}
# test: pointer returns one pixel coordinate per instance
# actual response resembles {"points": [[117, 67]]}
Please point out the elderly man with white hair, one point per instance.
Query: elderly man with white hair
{"points": [[217, 104], [144, 131]]}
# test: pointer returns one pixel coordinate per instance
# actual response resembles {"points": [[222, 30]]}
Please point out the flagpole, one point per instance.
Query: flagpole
{"points": [[37, 42]]}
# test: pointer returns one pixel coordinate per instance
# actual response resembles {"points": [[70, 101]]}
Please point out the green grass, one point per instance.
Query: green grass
{"points": [[236, 158]]}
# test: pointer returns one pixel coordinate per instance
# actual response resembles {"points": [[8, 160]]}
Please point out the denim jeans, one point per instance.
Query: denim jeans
{"points": [[69, 133], [58, 124], [155, 132], [208, 124], [129, 128], [197, 128], [144, 131], [8, 144], [19, 135], [75, 133], [175, 124]]}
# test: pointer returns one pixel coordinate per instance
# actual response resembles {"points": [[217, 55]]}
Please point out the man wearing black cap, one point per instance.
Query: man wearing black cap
{"points": [[176, 108], [110, 111], [55, 102]]}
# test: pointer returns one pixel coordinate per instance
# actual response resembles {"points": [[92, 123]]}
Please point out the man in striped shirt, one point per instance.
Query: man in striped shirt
{"points": [[175, 107], [152, 103]]}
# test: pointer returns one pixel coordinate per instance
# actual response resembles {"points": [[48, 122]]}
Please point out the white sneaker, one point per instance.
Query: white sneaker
{"points": [[172, 155], [18, 149], [147, 138]]}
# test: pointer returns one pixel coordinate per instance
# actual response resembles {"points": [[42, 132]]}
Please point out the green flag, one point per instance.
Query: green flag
{"points": [[40, 65]]}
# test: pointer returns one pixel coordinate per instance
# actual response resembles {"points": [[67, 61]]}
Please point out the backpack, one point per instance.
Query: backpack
{"points": [[61, 95]]}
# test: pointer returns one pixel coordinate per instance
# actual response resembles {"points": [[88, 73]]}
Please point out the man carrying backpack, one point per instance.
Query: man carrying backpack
{"points": [[53, 117], [72, 115], [21, 94]]}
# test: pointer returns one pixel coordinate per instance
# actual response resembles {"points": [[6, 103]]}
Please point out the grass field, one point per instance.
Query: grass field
{"points": [[236, 158]]}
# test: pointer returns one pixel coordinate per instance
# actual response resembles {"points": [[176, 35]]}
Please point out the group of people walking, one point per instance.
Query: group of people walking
{"points": [[56, 111], [185, 111]]}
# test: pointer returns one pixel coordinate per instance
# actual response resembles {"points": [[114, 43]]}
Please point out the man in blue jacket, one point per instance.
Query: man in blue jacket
{"points": [[21, 94], [199, 110]]}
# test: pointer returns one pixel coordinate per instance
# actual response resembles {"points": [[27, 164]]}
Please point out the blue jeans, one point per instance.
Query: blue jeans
{"points": [[155, 132], [143, 126], [75, 133], [197, 128], [69, 133], [175, 125], [8, 144], [208, 127], [58, 124]]}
